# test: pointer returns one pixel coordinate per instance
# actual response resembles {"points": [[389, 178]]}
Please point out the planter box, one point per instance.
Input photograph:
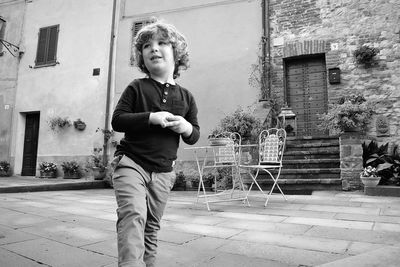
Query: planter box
{"points": [[47, 174], [72, 176]]}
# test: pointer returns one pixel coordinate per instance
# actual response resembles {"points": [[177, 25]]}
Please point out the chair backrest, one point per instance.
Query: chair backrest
{"points": [[228, 154], [271, 146]]}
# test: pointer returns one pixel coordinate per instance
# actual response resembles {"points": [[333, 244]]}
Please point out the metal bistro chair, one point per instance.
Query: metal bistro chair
{"points": [[271, 145], [223, 155]]}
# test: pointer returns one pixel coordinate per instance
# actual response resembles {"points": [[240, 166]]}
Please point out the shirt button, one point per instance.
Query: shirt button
{"points": [[167, 85], [164, 100], [165, 93]]}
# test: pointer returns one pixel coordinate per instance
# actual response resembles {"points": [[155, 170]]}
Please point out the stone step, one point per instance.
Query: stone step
{"points": [[327, 173], [291, 155], [316, 163]]}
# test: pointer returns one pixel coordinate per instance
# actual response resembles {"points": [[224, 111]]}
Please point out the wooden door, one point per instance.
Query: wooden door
{"points": [[30, 144], [306, 92]]}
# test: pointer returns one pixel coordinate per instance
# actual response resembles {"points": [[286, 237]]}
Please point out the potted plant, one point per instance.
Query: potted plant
{"points": [[5, 169], [180, 182], [387, 164], [369, 176], [96, 164], [79, 125], [219, 137], [56, 123], [348, 114], [71, 169], [48, 170], [365, 55]]}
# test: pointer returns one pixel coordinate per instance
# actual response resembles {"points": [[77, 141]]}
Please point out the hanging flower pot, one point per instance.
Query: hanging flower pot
{"points": [[79, 125]]}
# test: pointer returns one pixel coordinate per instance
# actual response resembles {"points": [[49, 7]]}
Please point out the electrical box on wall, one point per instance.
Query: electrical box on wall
{"points": [[334, 75]]}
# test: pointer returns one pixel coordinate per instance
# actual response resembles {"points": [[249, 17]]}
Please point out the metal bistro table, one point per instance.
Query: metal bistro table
{"points": [[214, 157]]}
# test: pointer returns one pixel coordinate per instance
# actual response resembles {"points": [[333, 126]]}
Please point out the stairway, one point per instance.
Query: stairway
{"points": [[309, 164]]}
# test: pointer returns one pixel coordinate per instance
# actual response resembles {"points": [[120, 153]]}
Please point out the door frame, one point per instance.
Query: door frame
{"points": [[25, 114], [285, 78]]}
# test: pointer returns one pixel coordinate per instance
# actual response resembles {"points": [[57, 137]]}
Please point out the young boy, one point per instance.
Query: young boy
{"points": [[153, 112]]}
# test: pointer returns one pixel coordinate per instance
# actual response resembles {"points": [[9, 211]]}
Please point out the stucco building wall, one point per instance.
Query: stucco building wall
{"points": [[69, 88], [223, 38], [13, 14]]}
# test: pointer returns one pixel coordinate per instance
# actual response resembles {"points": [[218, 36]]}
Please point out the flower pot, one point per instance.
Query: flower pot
{"points": [[5, 174], [44, 174], [98, 173], [370, 181], [73, 175]]}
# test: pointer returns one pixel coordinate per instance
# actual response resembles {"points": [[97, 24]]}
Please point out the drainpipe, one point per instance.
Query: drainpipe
{"points": [[109, 85], [266, 46]]}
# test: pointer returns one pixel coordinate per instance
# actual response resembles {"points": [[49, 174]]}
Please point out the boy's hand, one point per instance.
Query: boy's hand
{"points": [[179, 125], [161, 118]]}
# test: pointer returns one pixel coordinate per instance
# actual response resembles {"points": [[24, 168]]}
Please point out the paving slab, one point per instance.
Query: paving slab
{"points": [[367, 218], [57, 254], [294, 241], [342, 209], [9, 235], [8, 258], [286, 228], [331, 223], [290, 256], [69, 233], [108, 247], [369, 236], [325, 227], [386, 256]]}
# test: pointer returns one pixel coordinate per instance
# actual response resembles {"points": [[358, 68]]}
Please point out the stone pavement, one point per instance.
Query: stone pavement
{"points": [[77, 228]]}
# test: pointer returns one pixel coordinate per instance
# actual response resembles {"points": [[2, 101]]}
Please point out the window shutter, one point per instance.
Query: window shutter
{"points": [[53, 37], [137, 26], [2, 31], [47, 46], [41, 50], [135, 29]]}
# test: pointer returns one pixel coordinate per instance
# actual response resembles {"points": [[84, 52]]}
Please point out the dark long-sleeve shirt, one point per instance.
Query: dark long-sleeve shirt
{"points": [[151, 146]]}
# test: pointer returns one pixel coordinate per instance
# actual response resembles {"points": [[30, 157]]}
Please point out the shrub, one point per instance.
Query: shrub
{"points": [[348, 113], [365, 55]]}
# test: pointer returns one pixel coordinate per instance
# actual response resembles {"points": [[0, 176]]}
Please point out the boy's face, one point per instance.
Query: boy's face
{"points": [[158, 56]]}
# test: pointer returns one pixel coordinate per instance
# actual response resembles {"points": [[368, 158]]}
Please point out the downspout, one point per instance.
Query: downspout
{"points": [[268, 35], [109, 86], [266, 47]]}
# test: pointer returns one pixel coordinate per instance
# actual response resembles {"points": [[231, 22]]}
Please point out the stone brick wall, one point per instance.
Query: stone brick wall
{"points": [[337, 28], [351, 160]]}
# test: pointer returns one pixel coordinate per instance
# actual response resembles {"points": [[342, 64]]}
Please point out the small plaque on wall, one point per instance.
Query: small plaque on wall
{"points": [[334, 75]]}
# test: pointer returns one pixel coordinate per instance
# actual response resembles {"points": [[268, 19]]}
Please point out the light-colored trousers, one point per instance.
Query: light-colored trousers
{"points": [[141, 198]]}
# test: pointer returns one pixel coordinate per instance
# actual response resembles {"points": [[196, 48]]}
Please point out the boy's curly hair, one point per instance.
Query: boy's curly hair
{"points": [[169, 33]]}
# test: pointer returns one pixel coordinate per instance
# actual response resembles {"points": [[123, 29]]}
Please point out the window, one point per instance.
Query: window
{"points": [[2, 32], [47, 46], [135, 29]]}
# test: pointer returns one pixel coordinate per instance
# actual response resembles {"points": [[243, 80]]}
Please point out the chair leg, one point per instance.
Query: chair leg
{"points": [[275, 184]]}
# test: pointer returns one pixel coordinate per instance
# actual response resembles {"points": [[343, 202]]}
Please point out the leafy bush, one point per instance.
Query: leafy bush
{"points": [[365, 54], [387, 164], [348, 113], [240, 121]]}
